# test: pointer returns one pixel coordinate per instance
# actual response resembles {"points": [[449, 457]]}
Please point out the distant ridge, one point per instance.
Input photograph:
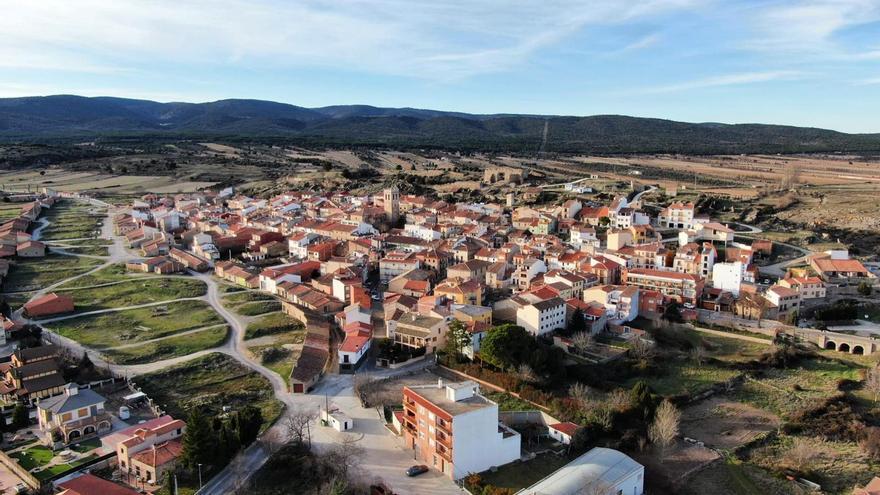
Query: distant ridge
{"points": [[39, 118]]}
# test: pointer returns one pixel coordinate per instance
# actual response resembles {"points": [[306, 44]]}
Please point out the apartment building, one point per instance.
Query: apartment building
{"points": [[455, 430], [543, 316], [682, 287]]}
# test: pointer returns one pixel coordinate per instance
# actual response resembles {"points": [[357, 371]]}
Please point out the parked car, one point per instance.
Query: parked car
{"points": [[417, 470]]}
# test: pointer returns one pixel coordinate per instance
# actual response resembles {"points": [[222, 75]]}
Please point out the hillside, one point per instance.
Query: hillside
{"points": [[34, 119]]}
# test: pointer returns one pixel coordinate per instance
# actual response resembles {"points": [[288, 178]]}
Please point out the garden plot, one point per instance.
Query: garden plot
{"points": [[135, 292], [725, 424]]}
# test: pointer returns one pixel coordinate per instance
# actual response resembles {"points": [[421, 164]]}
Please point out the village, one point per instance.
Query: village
{"points": [[531, 346]]}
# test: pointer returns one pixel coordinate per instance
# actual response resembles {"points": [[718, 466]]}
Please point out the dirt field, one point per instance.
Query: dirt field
{"points": [[679, 463], [64, 180], [724, 424]]}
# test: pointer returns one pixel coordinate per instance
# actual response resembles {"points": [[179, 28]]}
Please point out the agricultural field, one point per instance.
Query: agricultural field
{"points": [[135, 292], [174, 346], [99, 182], [210, 382], [113, 329], [9, 211], [31, 274]]}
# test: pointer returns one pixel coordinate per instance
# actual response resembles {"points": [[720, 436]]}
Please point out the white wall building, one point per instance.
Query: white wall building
{"points": [[728, 276], [542, 317]]}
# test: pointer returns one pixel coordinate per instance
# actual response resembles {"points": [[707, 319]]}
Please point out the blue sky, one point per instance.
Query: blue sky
{"points": [[812, 63]]}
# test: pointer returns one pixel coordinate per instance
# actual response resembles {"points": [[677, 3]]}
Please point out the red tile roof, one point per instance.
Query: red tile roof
{"points": [[89, 484]]}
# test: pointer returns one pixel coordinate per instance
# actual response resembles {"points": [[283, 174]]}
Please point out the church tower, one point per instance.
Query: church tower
{"points": [[391, 200]]}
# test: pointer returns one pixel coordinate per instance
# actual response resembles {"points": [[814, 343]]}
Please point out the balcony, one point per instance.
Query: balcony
{"points": [[444, 427], [444, 440], [444, 453]]}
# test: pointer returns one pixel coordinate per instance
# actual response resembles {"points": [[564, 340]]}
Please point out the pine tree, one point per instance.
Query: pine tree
{"points": [[199, 442], [20, 417], [249, 421]]}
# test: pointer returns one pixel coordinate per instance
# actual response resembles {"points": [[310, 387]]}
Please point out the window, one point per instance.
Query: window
{"points": [[66, 417]]}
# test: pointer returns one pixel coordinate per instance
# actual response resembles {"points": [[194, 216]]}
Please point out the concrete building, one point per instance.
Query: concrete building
{"points": [[391, 203], [455, 430], [683, 287], [543, 316]]}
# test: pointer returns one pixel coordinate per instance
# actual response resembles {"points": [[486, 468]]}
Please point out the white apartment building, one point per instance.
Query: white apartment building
{"points": [[542, 317], [677, 216]]}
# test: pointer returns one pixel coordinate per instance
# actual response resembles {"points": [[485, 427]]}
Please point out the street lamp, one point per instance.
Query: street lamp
{"points": [[200, 476]]}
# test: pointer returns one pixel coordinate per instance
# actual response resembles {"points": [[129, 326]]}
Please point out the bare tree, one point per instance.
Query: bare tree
{"points": [[618, 399], [525, 373], [640, 349], [872, 382], [664, 429], [580, 393], [297, 424], [698, 354], [582, 341], [802, 455]]}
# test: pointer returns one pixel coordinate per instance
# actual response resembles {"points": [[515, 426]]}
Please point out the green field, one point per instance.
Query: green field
{"points": [[137, 325], [112, 273], [258, 308], [519, 475], [788, 390], [37, 273], [135, 292], [170, 347], [270, 324], [9, 211], [72, 220], [87, 250], [209, 383], [251, 303]]}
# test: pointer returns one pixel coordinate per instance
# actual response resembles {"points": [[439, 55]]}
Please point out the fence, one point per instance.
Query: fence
{"points": [[21, 472]]}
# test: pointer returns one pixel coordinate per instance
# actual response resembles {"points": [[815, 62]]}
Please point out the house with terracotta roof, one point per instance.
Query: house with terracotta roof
{"points": [[151, 464], [50, 304], [31, 249], [562, 432], [355, 347], [841, 274], [89, 484], [872, 488], [144, 437], [461, 291]]}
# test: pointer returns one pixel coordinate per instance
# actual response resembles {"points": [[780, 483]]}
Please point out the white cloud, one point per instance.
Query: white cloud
{"points": [[723, 80], [419, 38], [809, 26]]}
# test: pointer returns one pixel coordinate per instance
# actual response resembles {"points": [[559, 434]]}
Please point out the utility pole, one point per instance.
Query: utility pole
{"points": [[200, 476]]}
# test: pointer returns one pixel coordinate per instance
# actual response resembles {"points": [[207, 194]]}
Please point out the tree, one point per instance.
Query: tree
{"points": [[249, 420], [506, 346], [297, 425], [525, 373], [664, 429], [865, 289], [457, 339], [801, 455], [640, 349], [577, 324], [872, 382], [580, 393], [582, 341], [20, 416], [199, 443], [228, 444], [698, 354]]}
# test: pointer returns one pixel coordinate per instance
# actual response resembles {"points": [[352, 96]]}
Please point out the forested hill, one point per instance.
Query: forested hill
{"points": [[75, 117]]}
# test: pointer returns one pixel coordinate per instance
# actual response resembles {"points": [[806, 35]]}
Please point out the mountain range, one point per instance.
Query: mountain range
{"points": [[41, 118]]}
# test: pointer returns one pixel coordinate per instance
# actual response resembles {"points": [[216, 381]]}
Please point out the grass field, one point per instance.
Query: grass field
{"points": [[786, 391], [136, 292], [209, 383], [112, 273], [9, 211], [136, 325], [251, 303], [37, 273], [519, 475], [72, 220], [87, 250], [270, 324], [170, 347]]}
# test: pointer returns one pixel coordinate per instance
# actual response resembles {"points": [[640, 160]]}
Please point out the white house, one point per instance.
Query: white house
{"points": [[562, 432], [600, 470], [337, 420]]}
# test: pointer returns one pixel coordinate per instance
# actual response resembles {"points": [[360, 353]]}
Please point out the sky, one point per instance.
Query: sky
{"points": [[807, 63]]}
